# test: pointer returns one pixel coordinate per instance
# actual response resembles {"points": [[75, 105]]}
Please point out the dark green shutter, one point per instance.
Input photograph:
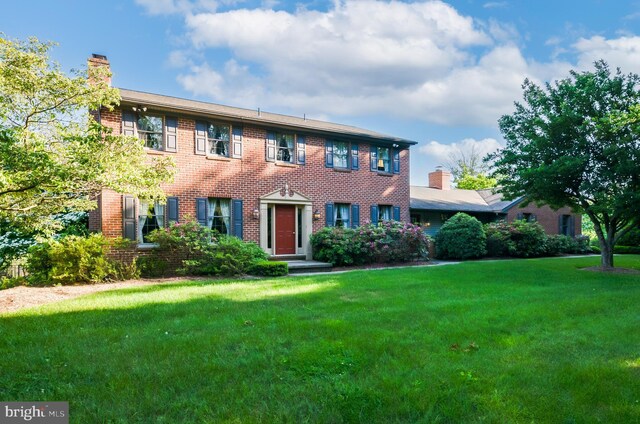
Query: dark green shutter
{"points": [[129, 217], [355, 160], [374, 214], [374, 158], [396, 161], [236, 148], [201, 211], [201, 138], [328, 214], [355, 216], [396, 213], [128, 123], [328, 153], [271, 147], [237, 217], [171, 134], [301, 150], [172, 209]]}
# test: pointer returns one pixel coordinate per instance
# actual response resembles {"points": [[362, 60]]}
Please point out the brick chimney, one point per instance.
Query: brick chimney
{"points": [[99, 61], [440, 179]]}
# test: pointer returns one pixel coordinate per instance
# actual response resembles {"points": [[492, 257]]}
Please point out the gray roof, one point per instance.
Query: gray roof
{"points": [[427, 198], [267, 119]]}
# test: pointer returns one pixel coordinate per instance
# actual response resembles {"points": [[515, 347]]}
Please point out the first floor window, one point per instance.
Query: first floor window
{"points": [[341, 215], [219, 218], [285, 147], [565, 225], [150, 130], [384, 159], [218, 139], [384, 213], [151, 218]]}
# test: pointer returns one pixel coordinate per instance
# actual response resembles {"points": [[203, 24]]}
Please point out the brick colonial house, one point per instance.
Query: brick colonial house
{"points": [[268, 178], [432, 206]]}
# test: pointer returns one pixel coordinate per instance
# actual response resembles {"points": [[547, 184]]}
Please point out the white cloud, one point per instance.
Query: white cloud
{"points": [[442, 153], [622, 52], [495, 4], [421, 60]]}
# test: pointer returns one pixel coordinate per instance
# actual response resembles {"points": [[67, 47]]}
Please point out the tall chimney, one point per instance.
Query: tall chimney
{"points": [[440, 179], [99, 61]]}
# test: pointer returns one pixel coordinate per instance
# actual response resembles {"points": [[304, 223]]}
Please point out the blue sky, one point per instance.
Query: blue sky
{"points": [[440, 73]]}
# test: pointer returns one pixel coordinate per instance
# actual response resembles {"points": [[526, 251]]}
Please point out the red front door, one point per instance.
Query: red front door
{"points": [[285, 230]]}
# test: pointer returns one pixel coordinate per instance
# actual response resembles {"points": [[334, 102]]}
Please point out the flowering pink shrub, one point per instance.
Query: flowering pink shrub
{"points": [[389, 241]]}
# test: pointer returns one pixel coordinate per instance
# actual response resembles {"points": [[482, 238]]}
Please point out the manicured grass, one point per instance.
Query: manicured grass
{"points": [[539, 341]]}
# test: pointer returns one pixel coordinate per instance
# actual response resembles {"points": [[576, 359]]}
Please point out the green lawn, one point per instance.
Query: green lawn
{"points": [[554, 344]]}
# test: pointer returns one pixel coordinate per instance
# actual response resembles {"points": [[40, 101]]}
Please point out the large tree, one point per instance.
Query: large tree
{"points": [[469, 169], [54, 157], [576, 143]]}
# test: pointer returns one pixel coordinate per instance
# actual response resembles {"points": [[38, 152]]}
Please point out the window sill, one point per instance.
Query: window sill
{"points": [[219, 158], [341, 169], [147, 246], [287, 165], [154, 151], [384, 174]]}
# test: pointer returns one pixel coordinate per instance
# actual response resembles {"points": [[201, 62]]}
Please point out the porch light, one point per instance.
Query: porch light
{"points": [[316, 215], [256, 214]]}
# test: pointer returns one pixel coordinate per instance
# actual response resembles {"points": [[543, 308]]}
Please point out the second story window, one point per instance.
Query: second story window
{"points": [[341, 155], [384, 160], [218, 139], [150, 130], [285, 147]]}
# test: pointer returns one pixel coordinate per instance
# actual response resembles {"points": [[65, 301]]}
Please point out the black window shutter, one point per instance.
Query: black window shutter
{"points": [[172, 209], [236, 211], [374, 157], [271, 147], [301, 149], [396, 213], [236, 149], [328, 153], [201, 211], [129, 217], [572, 226], [396, 161], [374, 214], [328, 214], [355, 216], [355, 160], [171, 134], [201, 138], [128, 123], [560, 225]]}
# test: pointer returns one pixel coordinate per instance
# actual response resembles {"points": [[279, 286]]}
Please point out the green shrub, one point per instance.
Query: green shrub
{"points": [[632, 238], [199, 251], [269, 268], [499, 241], [10, 282], [389, 241], [627, 250], [152, 266], [461, 237], [70, 260], [558, 244]]}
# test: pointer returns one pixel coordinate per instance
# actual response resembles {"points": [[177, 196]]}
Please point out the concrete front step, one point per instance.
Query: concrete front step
{"points": [[302, 266], [286, 258]]}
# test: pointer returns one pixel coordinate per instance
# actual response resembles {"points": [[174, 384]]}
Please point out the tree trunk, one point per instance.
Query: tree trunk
{"points": [[606, 252]]}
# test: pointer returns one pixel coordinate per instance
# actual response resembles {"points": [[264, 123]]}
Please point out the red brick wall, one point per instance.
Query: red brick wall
{"points": [[547, 217], [252, 176]]}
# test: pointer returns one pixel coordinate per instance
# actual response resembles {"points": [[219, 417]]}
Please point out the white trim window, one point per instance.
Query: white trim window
{"points": [[341, 154], [341, 212], [384, 159], [218, 136], [285, 147], [150, 130], [385, 212], [219, 218], [150, 218]]}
